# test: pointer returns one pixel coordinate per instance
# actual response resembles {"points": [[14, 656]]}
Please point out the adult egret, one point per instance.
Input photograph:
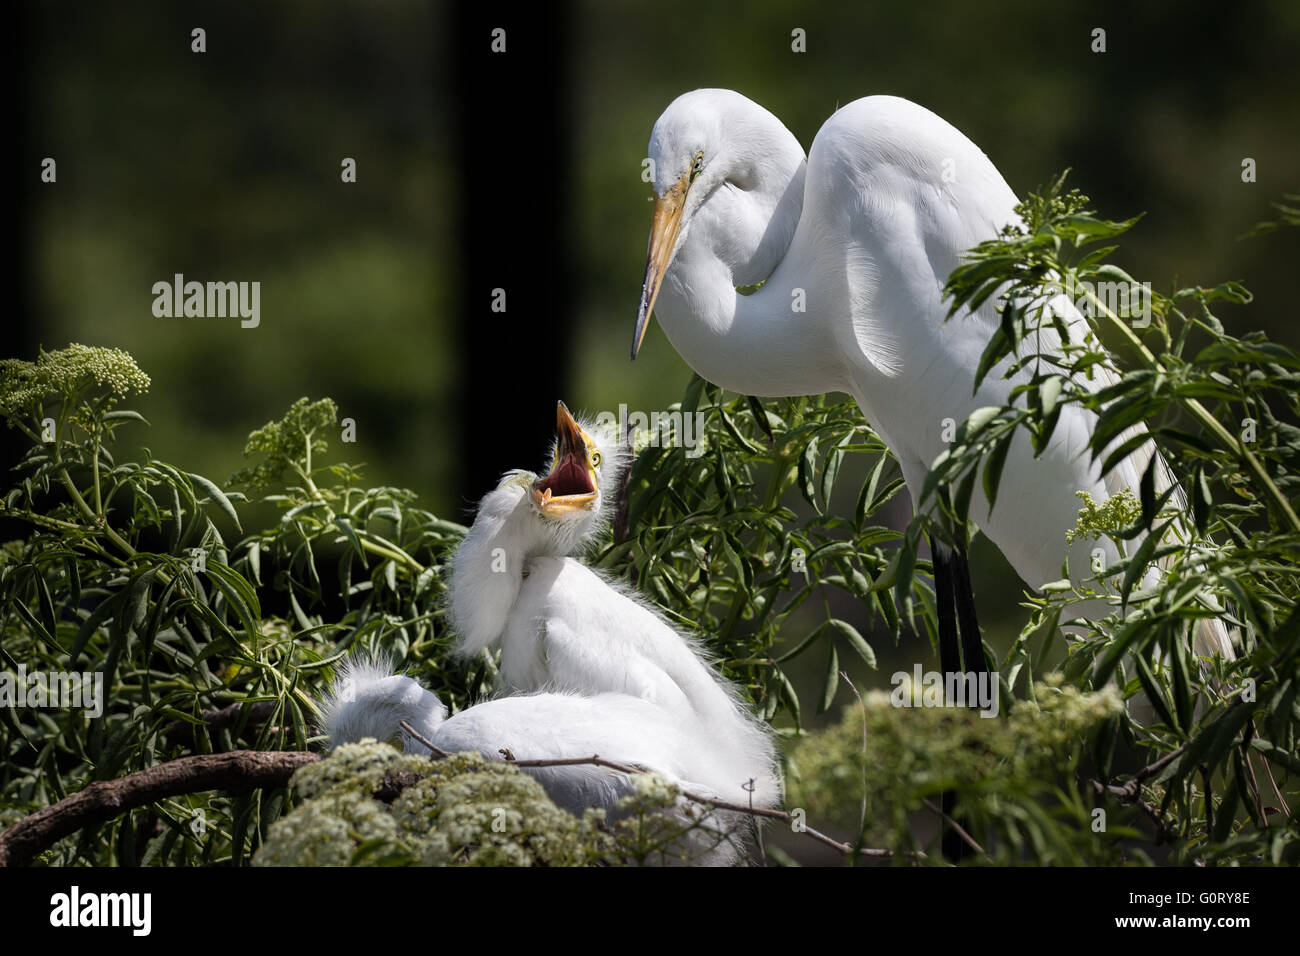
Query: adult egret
{"points": [[852, 245], [562, 626]]}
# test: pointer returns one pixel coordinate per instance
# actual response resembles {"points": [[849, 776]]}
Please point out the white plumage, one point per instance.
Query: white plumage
{"points": [[367, 699], [588, 667], [562, 626], [853, 244]]}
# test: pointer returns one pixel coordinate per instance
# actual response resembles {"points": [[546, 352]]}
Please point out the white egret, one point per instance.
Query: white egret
{"points": [[852, 245], [562, 626], [589, 667]]}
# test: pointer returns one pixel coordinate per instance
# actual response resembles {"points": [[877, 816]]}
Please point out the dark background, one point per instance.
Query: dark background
{"points": [[521, 171]]}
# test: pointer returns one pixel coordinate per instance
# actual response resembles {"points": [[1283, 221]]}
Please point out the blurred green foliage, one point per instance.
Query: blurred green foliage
{"points": [[227, 168]]}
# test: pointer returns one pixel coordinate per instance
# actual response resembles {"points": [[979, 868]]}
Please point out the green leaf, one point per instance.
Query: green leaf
{"points": [[993, 468], [830, 469], [760, 416], [903, 578], [831, 680], [34, 623], [1140, 560], [125, 415], [807, 470], [787, 694], [998, 348], [1182, 689], [863, 510], [961, 499], [1126, 635], [1049, 390], [239, 594], [1147, 492], [1155, 694], [887, 492], [978, 419], [218, 496], [350, 533], [855, 640], [1210, 746], [106, 608], [1202, 500], [691, 399]]}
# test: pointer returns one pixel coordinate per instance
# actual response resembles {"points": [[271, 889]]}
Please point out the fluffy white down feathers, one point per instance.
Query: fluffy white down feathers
{"points": [[587, 666]]}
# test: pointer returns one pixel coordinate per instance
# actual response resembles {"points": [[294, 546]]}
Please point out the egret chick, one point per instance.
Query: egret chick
{"points": [[564, 627], [367, 699]]}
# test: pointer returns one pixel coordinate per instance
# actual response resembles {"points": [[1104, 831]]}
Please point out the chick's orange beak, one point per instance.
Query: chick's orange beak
{"points": [[571, 484]]}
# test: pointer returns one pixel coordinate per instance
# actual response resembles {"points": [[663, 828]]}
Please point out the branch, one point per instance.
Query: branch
{"points": [[234, 772], [1129, 793], [437, 753], [957, 828], [1199, 412], [184, 733], [1151, 769]]}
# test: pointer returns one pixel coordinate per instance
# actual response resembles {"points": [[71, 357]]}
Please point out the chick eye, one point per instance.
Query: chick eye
{"points": [[595, 459]]}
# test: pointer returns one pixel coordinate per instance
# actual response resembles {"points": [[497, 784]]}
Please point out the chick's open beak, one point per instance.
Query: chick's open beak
{"points": [[664, 230], [571, 484]]}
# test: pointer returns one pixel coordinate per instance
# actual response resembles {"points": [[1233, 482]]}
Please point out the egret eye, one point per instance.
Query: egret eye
{"points": [[698, 165], [595, 459]]}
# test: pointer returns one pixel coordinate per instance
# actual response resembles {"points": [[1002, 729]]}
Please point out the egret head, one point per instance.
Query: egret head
{"points": [[587, 462], [720, 157]]}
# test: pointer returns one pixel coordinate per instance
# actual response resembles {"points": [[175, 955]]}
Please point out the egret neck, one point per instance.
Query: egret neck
{"points": [[735, 233]]}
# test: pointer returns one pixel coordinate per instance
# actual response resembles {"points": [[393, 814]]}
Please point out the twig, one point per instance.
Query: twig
{"points": [[598, 761], [185, 733], [957, 828], [1277, 791], [1151, 769], [749, 788], [862, 816], [233, 772], [437, 751], [1252, 785], [1130, 793]]}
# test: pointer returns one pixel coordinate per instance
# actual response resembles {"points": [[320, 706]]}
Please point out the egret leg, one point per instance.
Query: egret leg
{"points": [[945, 607], [972, 644], [958, 631]]}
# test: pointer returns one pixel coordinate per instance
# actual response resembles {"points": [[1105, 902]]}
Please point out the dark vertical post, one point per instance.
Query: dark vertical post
{"points": [[24, 162], [511, 151]]}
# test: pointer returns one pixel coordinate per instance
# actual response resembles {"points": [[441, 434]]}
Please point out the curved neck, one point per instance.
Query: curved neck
{"points": [[487, 568], [773, 342]]}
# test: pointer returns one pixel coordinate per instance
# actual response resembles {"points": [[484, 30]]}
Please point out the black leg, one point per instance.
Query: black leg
{"points": [[945, 607], [959, 636], [972, 644]]}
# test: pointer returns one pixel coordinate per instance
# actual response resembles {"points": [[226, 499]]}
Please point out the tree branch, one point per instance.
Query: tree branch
{"points": [[437, 753], [233, 772], [956, 827], [185, 734]]}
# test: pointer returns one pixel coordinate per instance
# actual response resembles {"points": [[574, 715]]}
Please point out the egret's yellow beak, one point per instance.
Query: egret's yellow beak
{"points": [[664, 229], [571, 485]]}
